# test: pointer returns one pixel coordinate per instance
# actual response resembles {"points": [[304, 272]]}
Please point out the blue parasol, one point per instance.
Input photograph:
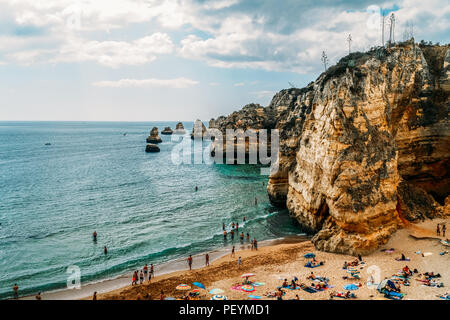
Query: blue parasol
{"points": [[198, 284]]}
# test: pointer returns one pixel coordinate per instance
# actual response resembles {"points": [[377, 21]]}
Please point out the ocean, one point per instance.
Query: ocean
{"points": [[97, 176]]}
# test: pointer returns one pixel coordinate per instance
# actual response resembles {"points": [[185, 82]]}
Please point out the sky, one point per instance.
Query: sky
{"points": [[179, 60]]}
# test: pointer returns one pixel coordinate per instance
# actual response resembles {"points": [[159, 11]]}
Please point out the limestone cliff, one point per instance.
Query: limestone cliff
{"points": [[363, 147]]}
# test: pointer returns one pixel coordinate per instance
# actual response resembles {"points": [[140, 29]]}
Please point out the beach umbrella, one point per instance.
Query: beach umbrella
{"points": [[195, 291], [247, 288], [183, 286], [218, 297], [216, 291], [310, 255], [198, 284], [247, 275], [351, 287], [257, 284]]}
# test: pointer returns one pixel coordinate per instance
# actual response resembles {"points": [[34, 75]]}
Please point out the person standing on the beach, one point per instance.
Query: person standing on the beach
{"points": [[232, 252], [134, 279], [248, 236], [16, 291], [438, 232], [38, 296], [162, 296], [145, 271], [443, 230], [223, 226], [141, 277], [207, 260], [239, 262], [190, 262], [152, 270], [105, 250], [255, 244], [232, 234], [94, 296], [94, 236]]}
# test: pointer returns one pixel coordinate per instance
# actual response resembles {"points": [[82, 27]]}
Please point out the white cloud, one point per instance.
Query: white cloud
{"points": [[178, 83], [239, 84], [108, 53]]}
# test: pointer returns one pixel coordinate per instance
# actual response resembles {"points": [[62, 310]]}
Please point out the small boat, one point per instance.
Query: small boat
{"points": [[48, 144]]}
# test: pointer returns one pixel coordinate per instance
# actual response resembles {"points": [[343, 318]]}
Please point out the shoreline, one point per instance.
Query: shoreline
{"points": [[166, 268], [274, 263]]}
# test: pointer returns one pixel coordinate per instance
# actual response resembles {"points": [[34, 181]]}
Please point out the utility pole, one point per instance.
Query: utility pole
{"points": [[324, 60], [383, 17], [391, 29], [349, 39]]}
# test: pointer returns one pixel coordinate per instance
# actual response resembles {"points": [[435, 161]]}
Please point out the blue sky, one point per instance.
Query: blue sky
{"points": [[148, 60]]}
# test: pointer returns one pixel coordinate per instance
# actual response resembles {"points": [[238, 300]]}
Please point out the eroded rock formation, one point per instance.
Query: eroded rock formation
{"points": [[363, 147], [199, 130], [154, 136], [151, 147], [167, 131], [179, 129]]}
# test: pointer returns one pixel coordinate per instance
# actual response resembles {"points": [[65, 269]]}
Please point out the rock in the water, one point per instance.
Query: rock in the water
{"points": [[154, 136], [363, 147], [151, 147], [179, 129], [199, 131], [167, 130]]}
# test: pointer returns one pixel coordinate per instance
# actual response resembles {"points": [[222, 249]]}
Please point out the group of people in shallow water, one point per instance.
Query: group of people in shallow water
{"points": [[143, 275]]}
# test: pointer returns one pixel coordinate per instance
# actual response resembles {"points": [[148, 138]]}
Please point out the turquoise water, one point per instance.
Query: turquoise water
{"points": [[143, 207]]}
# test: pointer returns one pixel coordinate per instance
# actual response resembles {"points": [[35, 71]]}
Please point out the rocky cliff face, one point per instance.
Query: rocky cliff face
{"points": [[364, 146]]}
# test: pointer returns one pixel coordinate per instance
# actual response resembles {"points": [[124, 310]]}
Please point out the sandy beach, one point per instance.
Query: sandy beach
{"points": [[272, 264]]}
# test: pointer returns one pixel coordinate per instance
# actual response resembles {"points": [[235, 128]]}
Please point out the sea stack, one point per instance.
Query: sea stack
{"points": [[151, 147], [179, 129], [167, 130], [154, 137], [364, 147], [199, 130]]}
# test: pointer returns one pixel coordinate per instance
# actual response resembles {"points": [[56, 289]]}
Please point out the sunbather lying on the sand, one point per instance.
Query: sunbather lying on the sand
{"points": [[311, 276], [285, 284], [354, 263], [346, 295]]}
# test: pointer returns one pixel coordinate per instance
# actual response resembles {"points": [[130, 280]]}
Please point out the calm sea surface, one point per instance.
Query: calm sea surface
{"points": [[143, 207]]}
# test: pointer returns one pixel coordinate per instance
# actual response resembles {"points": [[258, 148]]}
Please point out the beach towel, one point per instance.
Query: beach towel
{"points": [[443, 252], [426, 254], [445, 243], [258, 284], [236, 287], [445, 297], [407, 259], [309, 289], [312, 266], [393, 295]]}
